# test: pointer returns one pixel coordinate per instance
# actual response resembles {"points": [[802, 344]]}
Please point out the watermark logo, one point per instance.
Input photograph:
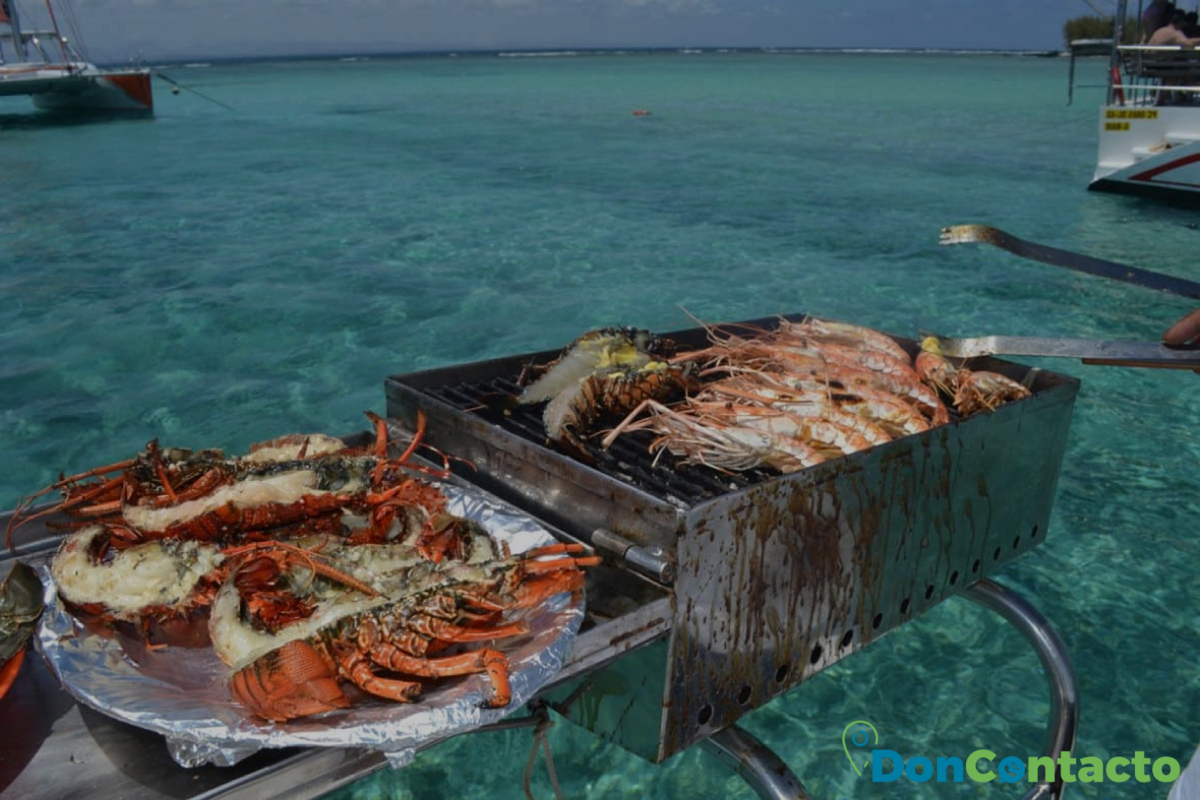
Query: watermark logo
{"points": [[858, 734], [984, 766]]}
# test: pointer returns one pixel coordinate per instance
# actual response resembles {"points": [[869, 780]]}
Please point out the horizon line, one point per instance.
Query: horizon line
{"points": [[584, 50]]}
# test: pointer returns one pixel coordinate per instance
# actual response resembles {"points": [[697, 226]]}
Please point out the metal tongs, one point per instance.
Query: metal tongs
{"points": [[1090, 351]]}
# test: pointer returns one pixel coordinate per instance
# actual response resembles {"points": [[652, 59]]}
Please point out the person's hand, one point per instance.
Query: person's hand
{"points": [[1186, 331]]}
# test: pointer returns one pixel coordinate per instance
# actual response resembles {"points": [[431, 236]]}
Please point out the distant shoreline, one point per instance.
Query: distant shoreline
{"points": [[577, 52]]}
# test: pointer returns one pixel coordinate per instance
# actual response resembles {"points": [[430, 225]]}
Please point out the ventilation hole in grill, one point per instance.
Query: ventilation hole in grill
{"points": [[782, 673], [848, 638], [705, 715], [996, 555], [929, 591], [1033, 532], [875, 623], [815, 655], [1016, 542], [744, 696], [904, 604], [954, 577], [975, 567]]}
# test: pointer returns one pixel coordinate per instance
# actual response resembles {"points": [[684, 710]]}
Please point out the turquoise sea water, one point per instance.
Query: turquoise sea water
{"points": [[218, 276]]}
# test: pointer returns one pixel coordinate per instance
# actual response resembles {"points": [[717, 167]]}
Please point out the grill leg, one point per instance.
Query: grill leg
{"points": [[755, 763], [1064, 696], [771, 779]]}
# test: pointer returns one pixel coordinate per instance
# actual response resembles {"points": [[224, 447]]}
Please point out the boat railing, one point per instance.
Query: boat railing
{"points": [[1085, 47], [1155, 75]]}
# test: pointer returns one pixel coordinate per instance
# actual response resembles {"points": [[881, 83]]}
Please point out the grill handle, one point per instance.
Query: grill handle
{"points": [[650, 561]]}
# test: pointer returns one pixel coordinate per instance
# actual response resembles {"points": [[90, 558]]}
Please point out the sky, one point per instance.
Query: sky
{"points": [[118, 30]]}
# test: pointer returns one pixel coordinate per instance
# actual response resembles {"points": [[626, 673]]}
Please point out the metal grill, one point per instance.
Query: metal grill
{"points": [[767, 578]]}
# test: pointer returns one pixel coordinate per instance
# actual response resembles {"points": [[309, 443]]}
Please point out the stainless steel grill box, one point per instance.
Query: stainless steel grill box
{"points": [[727, 590]]}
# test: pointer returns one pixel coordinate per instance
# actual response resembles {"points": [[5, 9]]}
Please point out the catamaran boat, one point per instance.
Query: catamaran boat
{"points": [[45, 65], [1150, 121]]}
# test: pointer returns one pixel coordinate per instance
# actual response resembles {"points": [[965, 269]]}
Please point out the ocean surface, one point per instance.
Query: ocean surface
{"points": [[283, 235]]}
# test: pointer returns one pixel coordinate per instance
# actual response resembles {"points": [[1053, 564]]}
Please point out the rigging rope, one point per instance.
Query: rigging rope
{"points": [[72, 26], [539, 712], [179, 85]]}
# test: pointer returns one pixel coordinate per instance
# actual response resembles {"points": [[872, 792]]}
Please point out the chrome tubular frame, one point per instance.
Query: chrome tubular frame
{"points": [[771, 779]]}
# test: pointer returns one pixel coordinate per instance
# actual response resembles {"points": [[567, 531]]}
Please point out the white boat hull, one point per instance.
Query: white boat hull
{"points": [[1150, 152], [81, 88]]}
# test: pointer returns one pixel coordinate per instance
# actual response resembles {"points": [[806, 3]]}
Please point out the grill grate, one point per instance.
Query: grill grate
{"points": [[627, 460]]}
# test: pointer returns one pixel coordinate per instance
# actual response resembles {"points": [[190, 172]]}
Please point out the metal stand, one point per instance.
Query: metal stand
{"points": [[1064, 695], [771, 779], [756, 764]]}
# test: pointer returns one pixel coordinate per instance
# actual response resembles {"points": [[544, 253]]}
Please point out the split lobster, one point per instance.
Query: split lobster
{"points": [[413, 635], [160, 591], [311, 482], [604, 372]]}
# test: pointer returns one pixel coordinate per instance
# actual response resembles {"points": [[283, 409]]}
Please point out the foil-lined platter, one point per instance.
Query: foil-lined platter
{"points": [[182, 693]]}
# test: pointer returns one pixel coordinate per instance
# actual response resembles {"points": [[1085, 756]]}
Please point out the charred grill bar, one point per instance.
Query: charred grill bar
{"points": [[719, 591]]}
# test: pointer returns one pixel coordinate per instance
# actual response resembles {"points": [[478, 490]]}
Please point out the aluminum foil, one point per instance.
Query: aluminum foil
{"points": [[182, 694]]}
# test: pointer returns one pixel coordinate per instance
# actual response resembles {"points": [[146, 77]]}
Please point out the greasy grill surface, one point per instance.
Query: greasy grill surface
{"points": [[628, 460]]}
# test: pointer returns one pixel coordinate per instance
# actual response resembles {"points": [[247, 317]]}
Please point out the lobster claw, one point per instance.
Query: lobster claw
{"points": [[292, 681]]}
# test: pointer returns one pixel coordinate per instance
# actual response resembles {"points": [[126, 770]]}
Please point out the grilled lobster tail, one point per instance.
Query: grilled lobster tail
{"points": [[430, 609], [293, 681]]}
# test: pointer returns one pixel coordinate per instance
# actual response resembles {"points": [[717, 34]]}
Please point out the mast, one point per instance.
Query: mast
{"points": [[8, 9], [57, 34]]}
